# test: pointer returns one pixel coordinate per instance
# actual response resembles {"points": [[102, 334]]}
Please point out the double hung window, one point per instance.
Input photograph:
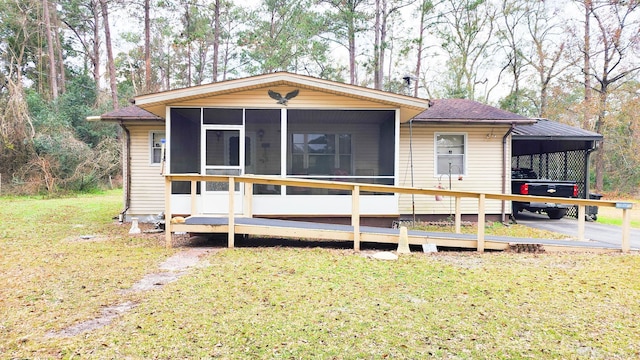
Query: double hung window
{"points": [[450, 154], [157, 138]]}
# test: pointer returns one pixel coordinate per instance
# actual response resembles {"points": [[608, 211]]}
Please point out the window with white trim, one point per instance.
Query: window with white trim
{"points": [[157, 138], [450, 153]]}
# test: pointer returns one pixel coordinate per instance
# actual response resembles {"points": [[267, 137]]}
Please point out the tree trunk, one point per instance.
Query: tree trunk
{"points": [[425, 6], [382, 45], [95, 58], [147, 48], [599, 128], [377, 82], [53, 74], [59, 56], [216, 39], [587, 61], [188, 40], [352, 54], [110, 62]]}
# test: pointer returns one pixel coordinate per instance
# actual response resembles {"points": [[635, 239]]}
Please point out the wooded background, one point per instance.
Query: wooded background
{"points": [[573, 61]]}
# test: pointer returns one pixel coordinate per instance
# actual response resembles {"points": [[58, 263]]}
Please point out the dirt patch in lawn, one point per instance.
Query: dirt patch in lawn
{"points": [[170, 270]]}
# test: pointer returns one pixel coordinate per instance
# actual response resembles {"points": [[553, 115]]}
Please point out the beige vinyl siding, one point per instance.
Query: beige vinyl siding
{"points": [[147, 185], [483, 167]]}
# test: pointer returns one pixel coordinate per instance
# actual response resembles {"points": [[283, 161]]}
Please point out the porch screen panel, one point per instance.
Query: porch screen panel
{"points": [[185, 146], [262, 130], [221, 116], [340, 145]]}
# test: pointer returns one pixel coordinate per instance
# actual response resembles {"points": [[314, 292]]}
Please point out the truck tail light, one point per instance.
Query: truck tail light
{"points": [[575, 190], [524, 189]]}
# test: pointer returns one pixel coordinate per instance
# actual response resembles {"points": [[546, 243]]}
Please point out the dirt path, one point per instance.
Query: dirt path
{"points": [[170, 270]]}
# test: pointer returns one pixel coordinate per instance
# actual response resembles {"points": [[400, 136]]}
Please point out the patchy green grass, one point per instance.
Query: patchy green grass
{"points": [[51, 277], [613, 216], [264, 303]]}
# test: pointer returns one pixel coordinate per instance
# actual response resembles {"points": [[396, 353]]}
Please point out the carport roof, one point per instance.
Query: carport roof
{"points": [[545, 129], [546, 136]]}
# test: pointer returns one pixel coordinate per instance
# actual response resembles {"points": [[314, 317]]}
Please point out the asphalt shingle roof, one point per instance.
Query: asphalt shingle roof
{"points": [[468, 111], [130, 113]]}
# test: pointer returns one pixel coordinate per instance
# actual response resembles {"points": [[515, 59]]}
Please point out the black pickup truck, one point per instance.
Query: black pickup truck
{"points": [[526, 182]]}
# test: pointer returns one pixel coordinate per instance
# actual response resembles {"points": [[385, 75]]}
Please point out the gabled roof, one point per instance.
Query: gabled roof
{"points": [[129, 113], [468, 111], [409, 106]]}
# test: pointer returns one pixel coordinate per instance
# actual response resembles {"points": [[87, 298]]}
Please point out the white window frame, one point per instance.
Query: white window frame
{"points": [[465, 151], [153, 147]]}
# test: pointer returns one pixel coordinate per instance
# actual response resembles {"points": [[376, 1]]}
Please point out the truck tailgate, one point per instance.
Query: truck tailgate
{"points": [[538, 187]]}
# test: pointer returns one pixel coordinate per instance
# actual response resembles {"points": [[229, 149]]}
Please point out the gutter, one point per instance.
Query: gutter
{"points": [[127, 164], [504, 171]]}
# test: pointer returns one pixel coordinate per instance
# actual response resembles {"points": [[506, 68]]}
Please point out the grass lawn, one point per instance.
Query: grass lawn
{"points": [[299, 303], [613, 216]]}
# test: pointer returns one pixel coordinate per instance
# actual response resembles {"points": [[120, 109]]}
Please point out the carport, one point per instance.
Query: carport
{"points": [[555, 151]]}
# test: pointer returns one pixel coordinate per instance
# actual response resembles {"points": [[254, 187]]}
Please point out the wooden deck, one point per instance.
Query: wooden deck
{"points": [[248, 225]]}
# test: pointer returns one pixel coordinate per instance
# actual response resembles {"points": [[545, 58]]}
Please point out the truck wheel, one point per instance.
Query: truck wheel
{"points": [[556, 213], [515, 209]]}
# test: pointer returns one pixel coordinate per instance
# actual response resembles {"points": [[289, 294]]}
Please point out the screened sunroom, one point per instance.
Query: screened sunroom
{"points": [[327, 144]]}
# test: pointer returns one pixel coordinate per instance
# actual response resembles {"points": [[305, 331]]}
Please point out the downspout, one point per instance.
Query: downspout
{"points": [[504, 171], [127, 166], [413, 198], [587, 170]]}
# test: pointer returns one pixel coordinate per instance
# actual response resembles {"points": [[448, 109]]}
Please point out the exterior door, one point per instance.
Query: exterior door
{"points": [[223, 155]]}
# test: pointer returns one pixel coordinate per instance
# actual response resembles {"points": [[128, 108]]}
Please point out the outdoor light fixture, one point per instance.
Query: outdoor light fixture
{"points": [[260, 134]]}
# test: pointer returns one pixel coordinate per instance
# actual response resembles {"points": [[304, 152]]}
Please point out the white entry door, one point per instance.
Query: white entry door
{"points": [[224, 153]]}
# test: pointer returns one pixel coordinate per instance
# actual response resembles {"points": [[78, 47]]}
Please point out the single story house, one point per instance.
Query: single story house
{"points": [[290, 125]]}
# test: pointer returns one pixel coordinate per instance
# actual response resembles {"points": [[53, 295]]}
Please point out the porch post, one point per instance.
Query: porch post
{"points": [[581, 221], [247, 209], [231, 222], [481, 218], [458, 216], [626, 230], [355, 216], [167, 212], [194, 190]]}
